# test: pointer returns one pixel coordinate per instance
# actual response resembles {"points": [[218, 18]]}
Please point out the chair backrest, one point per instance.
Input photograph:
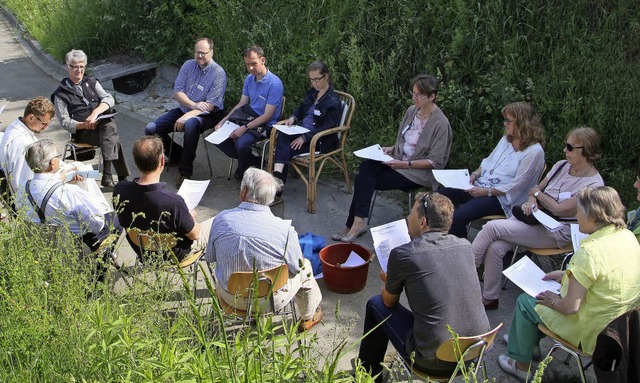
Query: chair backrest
{"points": [[348, 108], [241, 283], [468, 347], [284, 102], [148, 240]]}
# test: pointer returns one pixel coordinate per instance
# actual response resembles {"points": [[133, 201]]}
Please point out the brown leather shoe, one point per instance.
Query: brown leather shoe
{"points": [[306, 325]]}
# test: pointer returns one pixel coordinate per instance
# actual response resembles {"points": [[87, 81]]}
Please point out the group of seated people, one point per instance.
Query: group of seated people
{"points": [[437, 269]]}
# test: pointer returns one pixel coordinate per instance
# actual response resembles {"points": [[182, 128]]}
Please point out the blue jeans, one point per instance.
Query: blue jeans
{"points": [[395, 329], [469, 209], [240, 149], [163, 127]]}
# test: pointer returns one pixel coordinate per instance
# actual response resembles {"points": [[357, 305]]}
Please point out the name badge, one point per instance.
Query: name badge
{"points": [[564, 196], [405, 129], [200, 88], [316, 112]]}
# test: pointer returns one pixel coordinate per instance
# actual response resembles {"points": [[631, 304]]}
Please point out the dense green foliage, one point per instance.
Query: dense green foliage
{"points": [[58, 325], [575, 61]]}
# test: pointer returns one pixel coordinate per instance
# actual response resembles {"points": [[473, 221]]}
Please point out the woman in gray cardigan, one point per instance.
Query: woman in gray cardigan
{"points": [[423, 143]]}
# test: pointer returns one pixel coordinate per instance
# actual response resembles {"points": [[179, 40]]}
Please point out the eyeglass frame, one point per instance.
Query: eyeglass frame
{"points": [[424, 201], [45, 124], [570, 147], [200, 53], [80, 67], [317, 79]]}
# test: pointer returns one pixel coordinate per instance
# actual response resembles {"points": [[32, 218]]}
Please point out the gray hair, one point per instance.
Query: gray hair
{"points": [[261, 186], [603, 205], [75, 55], [39, 154]]}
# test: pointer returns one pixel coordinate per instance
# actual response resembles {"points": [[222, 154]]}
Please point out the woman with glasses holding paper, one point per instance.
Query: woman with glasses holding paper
{"points": [[555, 195], [423, 143], [503, 178], [320, 110], [600, 284]]}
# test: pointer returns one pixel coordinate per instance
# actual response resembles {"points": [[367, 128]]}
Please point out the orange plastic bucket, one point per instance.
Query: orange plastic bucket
{"points": [[344, 280]]}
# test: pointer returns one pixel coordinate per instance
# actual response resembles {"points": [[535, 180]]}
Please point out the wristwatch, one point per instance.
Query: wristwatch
{"points": [[536, 194], [409, 164]]}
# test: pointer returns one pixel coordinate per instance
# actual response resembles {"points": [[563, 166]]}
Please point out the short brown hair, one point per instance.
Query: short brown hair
{"points": [[40, 107], [426, 84], [603, 205], [528, 123], [208, 40], [589, 139], [254, 48], [438, 208], [147, 151]]}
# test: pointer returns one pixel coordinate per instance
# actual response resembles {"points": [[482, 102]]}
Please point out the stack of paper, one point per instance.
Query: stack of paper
{"points": [[192, 191], [373, 152], [291, 130], [546, 220], [528, 276], [387, 237], [453, 178], [223, 133]]}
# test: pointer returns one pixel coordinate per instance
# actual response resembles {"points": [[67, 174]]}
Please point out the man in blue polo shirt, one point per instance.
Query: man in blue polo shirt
{"points": [[258, 109], [199, 89]]}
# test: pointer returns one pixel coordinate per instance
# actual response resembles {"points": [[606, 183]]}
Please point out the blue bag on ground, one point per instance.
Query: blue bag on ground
{"points": [[311, 245]]}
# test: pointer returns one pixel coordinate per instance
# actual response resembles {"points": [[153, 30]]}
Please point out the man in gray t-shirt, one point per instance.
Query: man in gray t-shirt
{"points": [[437, 272]]}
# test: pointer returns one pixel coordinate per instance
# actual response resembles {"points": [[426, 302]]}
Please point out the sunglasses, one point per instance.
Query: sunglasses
{"points": [[424, 201], [571, 147]]}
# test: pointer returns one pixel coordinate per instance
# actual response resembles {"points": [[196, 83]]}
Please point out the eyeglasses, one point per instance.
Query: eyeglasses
{"points": [[45, 124], [199, 53], [418, 95], [571, 147], [78, 67], [317, 79]]}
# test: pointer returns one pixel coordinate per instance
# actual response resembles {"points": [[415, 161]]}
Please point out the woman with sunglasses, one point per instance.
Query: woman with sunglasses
{"points": [[556, 195], [320, 110], [503, 178], [423, 142]]}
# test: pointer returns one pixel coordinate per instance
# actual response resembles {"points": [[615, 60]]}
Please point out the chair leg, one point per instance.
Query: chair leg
{"points": [[373, 203], [206, 150], [311, 189], [513, 260], [230, 169], [171, 147]]}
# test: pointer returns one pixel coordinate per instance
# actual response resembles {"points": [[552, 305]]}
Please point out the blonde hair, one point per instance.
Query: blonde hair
{"points": [[603, 205], [528, 123]]}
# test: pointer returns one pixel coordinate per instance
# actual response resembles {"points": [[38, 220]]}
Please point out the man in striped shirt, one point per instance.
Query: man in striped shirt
{"points": [[251, 236]]}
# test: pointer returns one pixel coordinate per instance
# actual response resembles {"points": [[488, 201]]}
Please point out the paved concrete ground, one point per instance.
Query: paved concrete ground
{"points": [[26, 74]]}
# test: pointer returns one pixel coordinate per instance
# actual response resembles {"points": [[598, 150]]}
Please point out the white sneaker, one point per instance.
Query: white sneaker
{"points": [[536, 350], [509, 366]]}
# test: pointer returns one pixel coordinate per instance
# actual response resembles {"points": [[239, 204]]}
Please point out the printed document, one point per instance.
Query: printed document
{"points": [[354, 260], [192, 191], [453, 178], [546, 220], [528, 276], [387, 237], [223, 133], [577, 236], [373, 152], [291, 130]]}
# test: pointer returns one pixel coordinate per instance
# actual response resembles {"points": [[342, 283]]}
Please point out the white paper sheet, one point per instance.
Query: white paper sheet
{"points": [[105, 116], [223, 133], [387, 237], [192, 191], [86, 174], [528, 276], [373, 152], [546, 220], [577, 236], [291, 130], [453, 178], [354, 260]]}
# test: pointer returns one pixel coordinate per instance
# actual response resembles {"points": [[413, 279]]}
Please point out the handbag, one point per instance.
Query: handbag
{"points": [[244, 115], [517, 212]]}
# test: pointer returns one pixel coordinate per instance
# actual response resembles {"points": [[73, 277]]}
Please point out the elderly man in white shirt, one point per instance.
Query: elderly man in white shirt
{"points": [[20, 134], [48, 198]]}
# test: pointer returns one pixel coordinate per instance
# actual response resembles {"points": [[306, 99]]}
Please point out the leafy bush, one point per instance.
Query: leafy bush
{"points": [[575, 61]]}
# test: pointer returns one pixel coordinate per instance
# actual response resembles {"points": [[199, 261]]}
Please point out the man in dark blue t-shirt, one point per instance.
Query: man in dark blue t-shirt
{"points": [[163, 211]]}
